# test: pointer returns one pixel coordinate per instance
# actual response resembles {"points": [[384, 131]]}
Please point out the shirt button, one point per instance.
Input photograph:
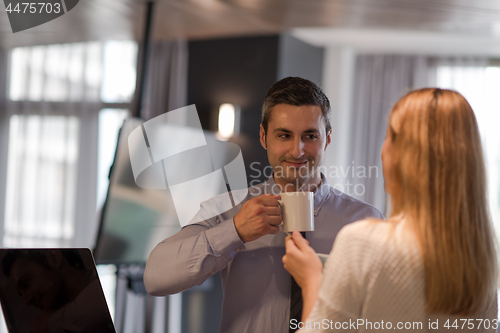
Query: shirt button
{"points": [[237, 250], [213, 272], [315, 211]]}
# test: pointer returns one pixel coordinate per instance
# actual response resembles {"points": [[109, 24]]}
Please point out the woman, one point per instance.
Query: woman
{"points": [[432, 266]]}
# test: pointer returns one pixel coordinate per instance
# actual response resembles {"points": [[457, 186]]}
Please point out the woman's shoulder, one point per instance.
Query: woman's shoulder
{"points": [[378, 237], [368, 229]]}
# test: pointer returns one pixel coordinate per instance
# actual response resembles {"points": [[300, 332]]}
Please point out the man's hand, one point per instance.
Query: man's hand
{"points": [[258, 216]]}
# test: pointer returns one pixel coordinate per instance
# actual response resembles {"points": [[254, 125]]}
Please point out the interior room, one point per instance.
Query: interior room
{"points": [[74, 88]]}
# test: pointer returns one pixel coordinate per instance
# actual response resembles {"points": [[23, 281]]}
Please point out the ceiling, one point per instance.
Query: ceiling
{"points": [[195, 19]]}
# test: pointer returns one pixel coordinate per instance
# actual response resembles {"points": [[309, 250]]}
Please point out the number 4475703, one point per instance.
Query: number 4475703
{"points": [[471, 324], [33, 8]]}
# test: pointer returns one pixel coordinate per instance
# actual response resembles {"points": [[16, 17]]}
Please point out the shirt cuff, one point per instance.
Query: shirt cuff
{"points": [[225, 240]]}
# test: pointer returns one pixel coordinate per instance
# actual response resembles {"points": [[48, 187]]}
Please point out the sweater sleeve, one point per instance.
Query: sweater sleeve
{"points": [[372, 280], [342, 289]]}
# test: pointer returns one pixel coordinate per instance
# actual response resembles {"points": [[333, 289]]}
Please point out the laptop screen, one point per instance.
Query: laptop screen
{"points": [[52, 290]]}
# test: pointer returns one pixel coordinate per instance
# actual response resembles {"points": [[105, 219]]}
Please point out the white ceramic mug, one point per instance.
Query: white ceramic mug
{"points": [[297, 211]]}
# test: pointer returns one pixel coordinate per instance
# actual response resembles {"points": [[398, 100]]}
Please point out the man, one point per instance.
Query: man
{"points": [[245, 243]]}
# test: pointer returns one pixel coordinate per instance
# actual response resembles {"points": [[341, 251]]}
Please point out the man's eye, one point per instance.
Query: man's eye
{"points": [[311, 137], [284, 136]]}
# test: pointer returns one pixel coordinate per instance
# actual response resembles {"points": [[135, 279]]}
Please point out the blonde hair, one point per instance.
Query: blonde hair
{"points": [[439, 184]]}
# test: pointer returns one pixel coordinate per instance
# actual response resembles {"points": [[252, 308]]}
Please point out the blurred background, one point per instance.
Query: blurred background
{"points": [[67, 86]]}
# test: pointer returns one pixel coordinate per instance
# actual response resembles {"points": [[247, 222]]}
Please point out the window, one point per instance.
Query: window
{"points": [[59, 140], [41, 181]]}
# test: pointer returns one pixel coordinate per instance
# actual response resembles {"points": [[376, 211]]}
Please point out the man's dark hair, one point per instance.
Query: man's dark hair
{"points": [[295, 91]]}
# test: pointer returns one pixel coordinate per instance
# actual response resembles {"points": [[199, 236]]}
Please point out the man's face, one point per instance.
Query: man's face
{"points": [[295, 142], [38, 285]]}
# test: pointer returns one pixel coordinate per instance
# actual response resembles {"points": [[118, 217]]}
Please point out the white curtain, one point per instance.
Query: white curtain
{"points": [[380, 80], [52, 113], [166, 87], [4, 134], [41, 181]]}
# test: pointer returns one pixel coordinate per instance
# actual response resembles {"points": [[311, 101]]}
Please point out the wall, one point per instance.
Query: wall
{"points": [[237, 71], [297, 58], [240, 71]]}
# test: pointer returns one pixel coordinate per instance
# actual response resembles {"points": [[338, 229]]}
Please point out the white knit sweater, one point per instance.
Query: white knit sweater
{"points": [[374, 281]]}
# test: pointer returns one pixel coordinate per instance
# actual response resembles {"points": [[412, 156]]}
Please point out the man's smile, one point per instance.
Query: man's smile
{"points": [[296, 164]]}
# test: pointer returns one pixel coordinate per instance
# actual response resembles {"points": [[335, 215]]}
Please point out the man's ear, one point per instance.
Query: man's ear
{"points": [[262, 134], [328, 138]]}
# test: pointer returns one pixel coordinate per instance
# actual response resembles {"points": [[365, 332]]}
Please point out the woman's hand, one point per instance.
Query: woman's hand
{"points": [[301, 261], [306, 268]]}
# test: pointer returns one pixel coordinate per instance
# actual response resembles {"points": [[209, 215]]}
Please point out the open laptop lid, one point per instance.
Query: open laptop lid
{"points": [[52, 290]]}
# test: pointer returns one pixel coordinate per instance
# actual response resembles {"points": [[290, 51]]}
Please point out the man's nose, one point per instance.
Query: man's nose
{"points": [[297, 149]]}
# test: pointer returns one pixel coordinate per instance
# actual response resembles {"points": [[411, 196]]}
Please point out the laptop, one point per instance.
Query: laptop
{"points": [[52, 290]]}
